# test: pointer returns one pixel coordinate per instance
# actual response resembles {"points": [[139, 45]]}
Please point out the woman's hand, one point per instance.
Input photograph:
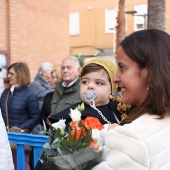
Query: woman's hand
{"points": [[112, 126]]}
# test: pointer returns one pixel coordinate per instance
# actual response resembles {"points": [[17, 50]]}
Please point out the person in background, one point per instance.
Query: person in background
{"points": [[22, 112], [1, 82], [42, 127], [142, 141], [46, 108], [41, 83], [6, 161], [68, 90], [56, 77]]}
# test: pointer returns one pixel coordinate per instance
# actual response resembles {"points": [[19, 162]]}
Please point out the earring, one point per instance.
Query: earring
{"points": [[147, 88]]}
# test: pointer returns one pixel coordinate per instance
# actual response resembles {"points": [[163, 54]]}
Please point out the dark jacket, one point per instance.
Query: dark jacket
{"points": [[23, 108], [109, 111], [46, 108], [65, 96], [41, 87]]}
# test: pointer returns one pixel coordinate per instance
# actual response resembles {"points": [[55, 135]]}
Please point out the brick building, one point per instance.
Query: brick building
{"points": [[34, 32], [92, 24]]}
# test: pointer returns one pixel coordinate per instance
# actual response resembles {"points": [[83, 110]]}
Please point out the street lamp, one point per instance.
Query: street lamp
{"points": [[139, 15], [131, 12]]}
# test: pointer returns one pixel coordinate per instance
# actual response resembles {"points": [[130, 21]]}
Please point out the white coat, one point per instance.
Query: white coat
{"points": [[143, 144], [1, 84], [6, 160]]}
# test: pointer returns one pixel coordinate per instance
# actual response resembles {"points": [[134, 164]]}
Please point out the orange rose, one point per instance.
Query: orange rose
{"points": [[74, 125], [82, 122], [78, 132], [93, 123], [92, 143]]}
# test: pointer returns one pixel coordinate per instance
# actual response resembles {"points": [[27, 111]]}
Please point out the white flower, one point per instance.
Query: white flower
{"points": [[80, 107], [96, 137], [95, 134], [98, 146], [60, 125], [75, 115]]}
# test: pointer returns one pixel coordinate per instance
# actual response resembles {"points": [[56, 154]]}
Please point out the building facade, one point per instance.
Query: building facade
{"points": [[92, 25], [33, 32]]}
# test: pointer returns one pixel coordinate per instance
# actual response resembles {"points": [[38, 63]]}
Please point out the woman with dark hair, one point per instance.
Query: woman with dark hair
{"points": [[143, 140], [19, 105]]}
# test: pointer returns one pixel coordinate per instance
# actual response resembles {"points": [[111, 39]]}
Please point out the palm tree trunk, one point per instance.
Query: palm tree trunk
{"points": [[120, 25], [156, 14]]}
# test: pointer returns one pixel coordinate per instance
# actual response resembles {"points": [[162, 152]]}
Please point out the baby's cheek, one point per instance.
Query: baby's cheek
{"points": [[82, 94], [102, 99]]}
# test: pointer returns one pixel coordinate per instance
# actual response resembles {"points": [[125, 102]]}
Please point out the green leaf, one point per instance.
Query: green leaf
{"points": [[65, 143], [75, 137], [58, 134], [69, 134], [87, 138], [81, 125]]}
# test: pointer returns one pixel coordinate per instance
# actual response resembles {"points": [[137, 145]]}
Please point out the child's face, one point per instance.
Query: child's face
{"points": [[98, 82]]}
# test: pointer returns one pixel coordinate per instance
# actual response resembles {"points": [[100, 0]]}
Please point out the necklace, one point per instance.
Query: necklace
{"points": [[92, 104], [122, 108]]}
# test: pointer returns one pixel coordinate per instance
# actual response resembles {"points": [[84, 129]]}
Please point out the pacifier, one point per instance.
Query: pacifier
{"points": [[90, 95]]}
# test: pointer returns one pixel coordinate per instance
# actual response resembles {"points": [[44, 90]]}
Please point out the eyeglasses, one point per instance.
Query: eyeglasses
{"points": [[10, 74]]}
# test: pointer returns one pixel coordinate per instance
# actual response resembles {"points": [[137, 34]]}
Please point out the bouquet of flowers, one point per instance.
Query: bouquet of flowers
{"points": [[78, 148]]}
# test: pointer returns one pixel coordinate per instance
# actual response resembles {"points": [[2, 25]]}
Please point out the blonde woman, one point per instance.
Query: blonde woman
{"points": [[46, 108], [22, 112]]}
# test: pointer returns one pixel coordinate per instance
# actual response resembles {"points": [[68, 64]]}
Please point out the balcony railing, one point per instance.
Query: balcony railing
{"points": [[21, 139]]}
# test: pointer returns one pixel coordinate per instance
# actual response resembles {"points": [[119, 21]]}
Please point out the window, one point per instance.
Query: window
{"points": [[139, 26], [140, 18], [74, 23], [110, 20], [4, 62]]}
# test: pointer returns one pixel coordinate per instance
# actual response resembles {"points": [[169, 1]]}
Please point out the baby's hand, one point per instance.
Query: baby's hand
{"points": [[112, 126]]}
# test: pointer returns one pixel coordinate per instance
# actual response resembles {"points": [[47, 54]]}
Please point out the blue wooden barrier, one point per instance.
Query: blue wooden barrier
{"points": [[21, 139]]}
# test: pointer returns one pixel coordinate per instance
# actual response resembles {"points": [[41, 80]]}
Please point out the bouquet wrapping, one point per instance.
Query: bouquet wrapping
{"points": [[76, 149], [77, 160]]}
